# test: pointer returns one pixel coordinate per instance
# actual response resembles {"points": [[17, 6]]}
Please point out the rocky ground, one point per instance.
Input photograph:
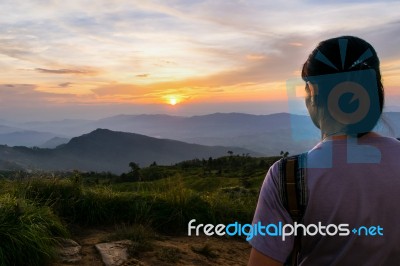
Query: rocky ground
{"points": [[165, 250]]}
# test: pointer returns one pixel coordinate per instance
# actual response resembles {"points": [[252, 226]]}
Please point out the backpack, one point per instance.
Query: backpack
{"points": [[293, 194]]}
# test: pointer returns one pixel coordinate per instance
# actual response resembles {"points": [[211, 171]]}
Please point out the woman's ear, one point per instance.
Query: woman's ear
{"points": [[313, 89], [312, 104]]}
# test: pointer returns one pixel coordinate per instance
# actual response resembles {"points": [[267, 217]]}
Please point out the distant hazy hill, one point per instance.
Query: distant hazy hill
{"points": [[105, 150], [267, 134], [7, 129], [53, 143], [25, 138]]}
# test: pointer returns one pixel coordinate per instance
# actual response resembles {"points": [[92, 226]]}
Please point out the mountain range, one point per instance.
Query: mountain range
{"points": [[255, 134], [108, 151], [267, 134]]}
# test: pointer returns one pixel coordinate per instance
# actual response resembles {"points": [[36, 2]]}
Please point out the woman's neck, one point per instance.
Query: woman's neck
{"points": [[341, 136]]}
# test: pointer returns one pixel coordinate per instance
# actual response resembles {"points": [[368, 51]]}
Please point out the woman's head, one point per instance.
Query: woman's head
{"points": [[340, 57]]}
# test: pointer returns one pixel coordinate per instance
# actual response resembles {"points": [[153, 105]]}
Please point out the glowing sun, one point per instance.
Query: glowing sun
{"points": [[173, 101]]}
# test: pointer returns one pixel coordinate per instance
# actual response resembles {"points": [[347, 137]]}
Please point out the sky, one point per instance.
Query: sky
{"points": [[92, 59]]}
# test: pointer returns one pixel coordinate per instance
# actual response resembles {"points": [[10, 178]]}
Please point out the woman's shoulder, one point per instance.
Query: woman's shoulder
{"points": [[380, 141]]}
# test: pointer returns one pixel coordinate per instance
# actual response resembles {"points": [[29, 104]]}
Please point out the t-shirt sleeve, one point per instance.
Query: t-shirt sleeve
{"points": [[271, 211]]}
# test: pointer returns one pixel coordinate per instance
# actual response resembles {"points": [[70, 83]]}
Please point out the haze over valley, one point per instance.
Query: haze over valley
{"points": [[109, 144]]}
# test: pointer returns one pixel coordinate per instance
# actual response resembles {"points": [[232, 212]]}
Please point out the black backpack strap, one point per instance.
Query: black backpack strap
{"points": [[293, 193]]}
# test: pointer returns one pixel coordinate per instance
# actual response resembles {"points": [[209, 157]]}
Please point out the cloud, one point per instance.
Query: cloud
{"points": [[22, 47], [28, 95], [142, 75], [120, 89], [255, 56], [67, 71], [194, 48], [259, 66], [117, 92], [260, 70], [65, 84]]}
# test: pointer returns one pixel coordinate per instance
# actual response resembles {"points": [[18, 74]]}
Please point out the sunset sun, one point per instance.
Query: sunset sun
{"points": [[173, 101]]}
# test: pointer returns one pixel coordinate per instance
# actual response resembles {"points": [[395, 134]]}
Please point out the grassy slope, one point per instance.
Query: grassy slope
{"points": [[220, 190]]}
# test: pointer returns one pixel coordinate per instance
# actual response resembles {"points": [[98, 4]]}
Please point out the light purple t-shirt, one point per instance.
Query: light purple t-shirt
{"points": [[347, 183]]}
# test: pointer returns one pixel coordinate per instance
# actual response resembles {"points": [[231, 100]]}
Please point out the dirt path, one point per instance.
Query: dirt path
{"points": [[169, 250], [197, 251], [88, 238]]}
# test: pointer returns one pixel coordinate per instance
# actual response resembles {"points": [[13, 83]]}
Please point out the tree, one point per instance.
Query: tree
{"points": [[284, 154], [230, 153], [135, 171], [134, 166]]}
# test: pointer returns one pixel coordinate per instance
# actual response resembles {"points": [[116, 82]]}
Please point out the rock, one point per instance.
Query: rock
{"points": [[114, 253], [69, 251]]}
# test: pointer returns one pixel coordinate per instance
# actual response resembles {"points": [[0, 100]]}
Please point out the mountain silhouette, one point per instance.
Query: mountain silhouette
{"points": [[106, 150], [266, 134]]}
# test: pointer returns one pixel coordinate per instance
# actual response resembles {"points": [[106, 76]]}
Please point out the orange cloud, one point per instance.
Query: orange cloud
{"points": [[142, 75], [255, 56]]}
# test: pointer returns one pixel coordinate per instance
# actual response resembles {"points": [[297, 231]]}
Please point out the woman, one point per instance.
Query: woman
{"points": [[352, 176]]}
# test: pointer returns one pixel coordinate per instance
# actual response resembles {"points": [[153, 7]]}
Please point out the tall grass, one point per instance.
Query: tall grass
{"points": [[176, 205], [95, 205], [28, 233], [168, 205], [59, 194]]}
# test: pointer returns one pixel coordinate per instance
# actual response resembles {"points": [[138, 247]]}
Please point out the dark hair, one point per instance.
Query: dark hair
{"points": [[330, 48]]}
